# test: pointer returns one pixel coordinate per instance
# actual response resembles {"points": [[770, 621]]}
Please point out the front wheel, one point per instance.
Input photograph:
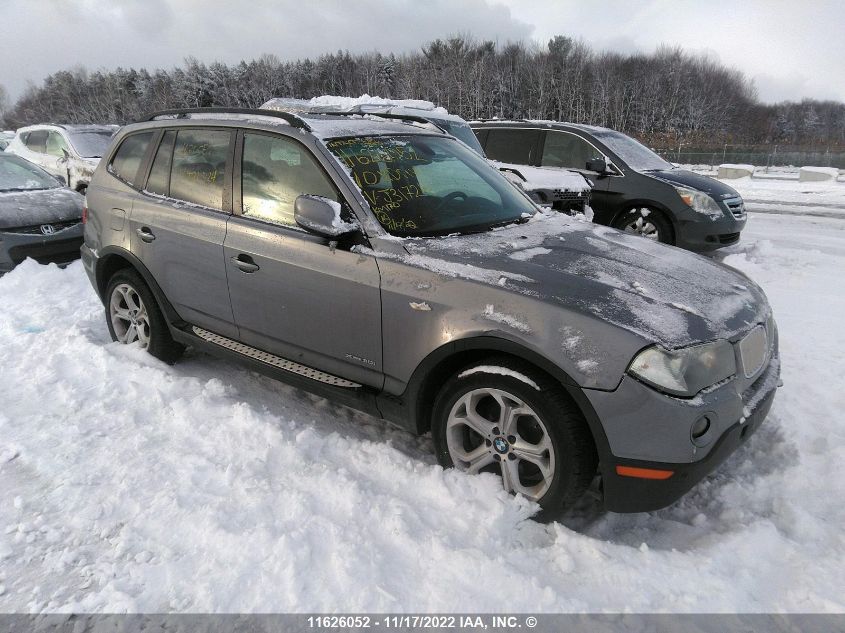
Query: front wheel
{"points": [[506, 418], [647, 223], [133, 316]]}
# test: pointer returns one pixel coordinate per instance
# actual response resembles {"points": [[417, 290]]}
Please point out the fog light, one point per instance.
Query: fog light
{"points": [[700, 431]]}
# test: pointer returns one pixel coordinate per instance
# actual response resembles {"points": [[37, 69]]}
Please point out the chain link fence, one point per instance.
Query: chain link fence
{"points": [[771, 157]]}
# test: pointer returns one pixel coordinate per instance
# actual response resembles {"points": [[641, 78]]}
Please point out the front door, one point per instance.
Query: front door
{"points": [[295, 294]]}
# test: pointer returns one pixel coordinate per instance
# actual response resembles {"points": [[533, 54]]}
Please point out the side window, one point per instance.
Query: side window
{"points": [[275, 171], [55, 144], [36, 141], [512, 146], [562, 149], [129, 155], [199, 166], [159, 180]]}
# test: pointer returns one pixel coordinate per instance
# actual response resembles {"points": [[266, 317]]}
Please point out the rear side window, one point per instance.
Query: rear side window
{"points": [[563, 149], [159, 180], [36, 141], [127, 160], [275, 171], [199, 166], [512, 146]]}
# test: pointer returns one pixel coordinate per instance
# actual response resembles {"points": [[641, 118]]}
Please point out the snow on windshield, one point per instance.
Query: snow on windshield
{"points": [[636, 155], [18, 174]]}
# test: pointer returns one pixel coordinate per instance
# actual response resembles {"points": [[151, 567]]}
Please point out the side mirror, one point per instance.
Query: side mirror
{"points": [[65, 153], [62, 180], [598, 165], [321, 216]]}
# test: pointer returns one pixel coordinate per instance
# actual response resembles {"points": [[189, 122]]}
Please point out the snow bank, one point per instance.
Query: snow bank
{"points": [[817, 174], [730, 171]]}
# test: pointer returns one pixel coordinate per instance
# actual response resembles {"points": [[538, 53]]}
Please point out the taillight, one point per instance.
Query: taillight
{"points": [[84, 215]]}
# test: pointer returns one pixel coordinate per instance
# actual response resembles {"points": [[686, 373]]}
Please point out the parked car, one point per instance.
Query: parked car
{"points": [[385, 265], [39, 217], [5, 138], [326, 104], [69, 152], [558, 189], [634, 189]]}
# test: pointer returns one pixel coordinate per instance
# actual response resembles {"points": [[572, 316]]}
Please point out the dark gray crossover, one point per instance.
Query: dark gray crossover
{"points": [[385, 265], [39, 217], [634, 189]]}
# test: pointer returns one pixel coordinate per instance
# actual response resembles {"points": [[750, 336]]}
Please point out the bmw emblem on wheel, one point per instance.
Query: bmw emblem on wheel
{"points": [[47, 229], [501, 445]]}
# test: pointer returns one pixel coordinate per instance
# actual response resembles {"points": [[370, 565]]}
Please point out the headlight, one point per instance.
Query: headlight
{"points": [[685, 372], [699, 201]]}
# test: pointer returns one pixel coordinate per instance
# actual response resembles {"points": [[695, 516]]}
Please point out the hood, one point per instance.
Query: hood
{"points": [[685, 178], [27, 208], [664, 294]]}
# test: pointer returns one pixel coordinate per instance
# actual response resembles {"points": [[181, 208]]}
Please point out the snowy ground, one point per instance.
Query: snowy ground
{"points": [[127, 485]]}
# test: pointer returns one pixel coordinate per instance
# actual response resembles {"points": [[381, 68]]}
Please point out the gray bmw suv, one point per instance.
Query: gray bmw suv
{"points": [[385, 265]]}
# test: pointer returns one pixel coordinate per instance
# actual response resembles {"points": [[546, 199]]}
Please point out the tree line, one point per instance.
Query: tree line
{"points": [[663, 98]]}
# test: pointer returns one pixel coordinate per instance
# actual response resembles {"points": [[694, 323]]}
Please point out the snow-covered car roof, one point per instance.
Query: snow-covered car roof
{"points": [[71, 127]]}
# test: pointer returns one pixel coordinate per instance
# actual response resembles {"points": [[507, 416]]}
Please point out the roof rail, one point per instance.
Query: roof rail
{"points": [[182, 113], [356, 110]]}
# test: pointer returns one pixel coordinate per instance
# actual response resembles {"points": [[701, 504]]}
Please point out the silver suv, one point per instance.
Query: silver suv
{"points": [[385, 265]]}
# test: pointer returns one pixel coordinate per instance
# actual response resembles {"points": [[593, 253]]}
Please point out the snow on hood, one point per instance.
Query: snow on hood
{"points": [[546, 177], [41, 206], [664, 294]]}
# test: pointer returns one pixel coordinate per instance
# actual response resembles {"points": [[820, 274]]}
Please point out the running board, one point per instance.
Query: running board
{"points": [[272, 359]]}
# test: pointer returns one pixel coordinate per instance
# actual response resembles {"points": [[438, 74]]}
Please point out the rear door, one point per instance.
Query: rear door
{"points": [[294, 294], [178, 223]]}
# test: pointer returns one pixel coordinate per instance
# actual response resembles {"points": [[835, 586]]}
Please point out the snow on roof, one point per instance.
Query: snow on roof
{"points": [[344, 103], [324, 126], [546, 177]]}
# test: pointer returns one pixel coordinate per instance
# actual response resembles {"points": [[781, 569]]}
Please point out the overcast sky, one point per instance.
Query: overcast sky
{"points": [[792, 49]]}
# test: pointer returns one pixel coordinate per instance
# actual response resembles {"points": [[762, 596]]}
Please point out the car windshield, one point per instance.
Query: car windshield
{"points": [[92, 143], [636, 155], [17, 174], [427, 185], [462, 132]]}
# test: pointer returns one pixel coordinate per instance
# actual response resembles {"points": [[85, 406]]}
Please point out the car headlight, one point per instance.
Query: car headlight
{"points": [[686, 371], [699, 201]]}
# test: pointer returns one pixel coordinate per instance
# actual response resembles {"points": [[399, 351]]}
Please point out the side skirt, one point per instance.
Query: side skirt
{"points": [[314, 381]]}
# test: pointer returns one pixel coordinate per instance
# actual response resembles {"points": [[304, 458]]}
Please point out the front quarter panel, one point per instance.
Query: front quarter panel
{"points": [[424, 309]]}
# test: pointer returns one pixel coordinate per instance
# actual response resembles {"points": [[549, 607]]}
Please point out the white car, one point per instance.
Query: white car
{"points": [[69, 152], [365, 104]]}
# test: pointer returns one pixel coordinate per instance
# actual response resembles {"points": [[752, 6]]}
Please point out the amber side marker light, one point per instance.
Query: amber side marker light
{"points": [[643, 473]]}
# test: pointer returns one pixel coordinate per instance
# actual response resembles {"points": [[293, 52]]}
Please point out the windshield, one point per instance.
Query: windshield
{"points": [[460, 131], [428, 185], [92, 144], [17, 174], [636, 155]]}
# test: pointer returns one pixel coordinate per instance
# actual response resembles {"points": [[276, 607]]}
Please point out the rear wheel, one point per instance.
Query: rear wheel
{"points": [[133, 316], [536, 440], [647, 223]]}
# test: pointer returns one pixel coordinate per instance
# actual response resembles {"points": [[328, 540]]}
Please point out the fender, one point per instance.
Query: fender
{"points": [[104, 266]]}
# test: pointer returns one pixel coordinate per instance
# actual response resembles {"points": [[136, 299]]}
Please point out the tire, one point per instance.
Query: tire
{"points": [[133, 315], [649, 223], [555, 433]]}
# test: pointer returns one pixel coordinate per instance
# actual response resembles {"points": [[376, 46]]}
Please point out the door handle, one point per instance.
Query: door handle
{"points": [[245, 263], [145, 234]]}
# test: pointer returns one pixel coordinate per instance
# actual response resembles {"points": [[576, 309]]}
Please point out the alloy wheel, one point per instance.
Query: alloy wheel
{"points": [[129, 316], [490, 430]]}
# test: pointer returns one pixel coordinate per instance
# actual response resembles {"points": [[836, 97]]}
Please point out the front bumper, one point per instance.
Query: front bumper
{"points": [[649, 430], [61, 247], [699, 232]]}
